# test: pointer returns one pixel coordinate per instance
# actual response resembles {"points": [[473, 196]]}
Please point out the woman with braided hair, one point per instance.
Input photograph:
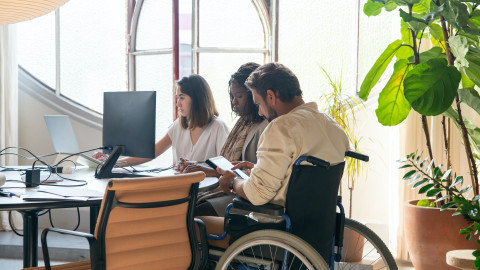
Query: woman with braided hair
{"points": [[241, 144]]}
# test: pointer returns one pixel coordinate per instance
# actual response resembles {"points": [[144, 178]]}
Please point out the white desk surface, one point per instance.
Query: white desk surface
{"points": [[81, 173]]}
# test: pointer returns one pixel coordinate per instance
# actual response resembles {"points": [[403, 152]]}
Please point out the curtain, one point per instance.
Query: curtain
{"points": [[412, 138], [8, 106]]}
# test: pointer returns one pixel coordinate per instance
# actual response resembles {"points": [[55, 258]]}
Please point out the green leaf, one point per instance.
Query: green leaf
{"points": [[470, 97], [423, 162], [378, 68], [436, 31], [459, 46], [466, 82], [447, 205], [472, 130], [419, 183], [473, 69], [446, 174], [424, 202], [426, 188], [409, 174], [406, 2], [443, 198], [465, 231], [434, 192], [430, 166], [393, 108], [422, 6], [465, 189], [456, 14], [435, 52], [414, 179], [430, 17], [372, 9], [405, 166], [458, 180], [390, 5], [431, 87], [476, 253], [417, 24]]}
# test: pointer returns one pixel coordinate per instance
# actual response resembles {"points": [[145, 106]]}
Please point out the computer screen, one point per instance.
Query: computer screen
{"points": [[128, 127]]}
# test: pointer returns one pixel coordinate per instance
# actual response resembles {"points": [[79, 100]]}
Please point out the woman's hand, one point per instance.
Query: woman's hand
{"points": [[209, 172], [100, 156], [182, 164], [244, 165]]}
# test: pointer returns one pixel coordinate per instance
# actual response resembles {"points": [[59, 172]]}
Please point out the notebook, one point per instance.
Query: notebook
{"points": [[63, 138]]}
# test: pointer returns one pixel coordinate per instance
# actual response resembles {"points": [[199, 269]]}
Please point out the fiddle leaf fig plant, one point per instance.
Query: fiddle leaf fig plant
{"points": [[435, 82]]}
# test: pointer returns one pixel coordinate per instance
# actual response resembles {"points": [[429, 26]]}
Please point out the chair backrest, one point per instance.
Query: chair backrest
{"points": [[311, 204], [147, 223]]}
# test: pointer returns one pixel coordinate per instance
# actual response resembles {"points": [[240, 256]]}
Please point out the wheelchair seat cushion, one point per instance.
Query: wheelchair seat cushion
{"points": [[240, 225]]}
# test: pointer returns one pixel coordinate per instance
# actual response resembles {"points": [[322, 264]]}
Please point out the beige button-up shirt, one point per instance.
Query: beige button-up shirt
{"points": [[302, 131]]}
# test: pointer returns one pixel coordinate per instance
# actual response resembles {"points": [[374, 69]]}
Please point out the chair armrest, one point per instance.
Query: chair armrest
{"points": [[269, 208], [46, 257]]}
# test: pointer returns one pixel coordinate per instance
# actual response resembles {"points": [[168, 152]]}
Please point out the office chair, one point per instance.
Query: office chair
{"points": [[144, 223]]}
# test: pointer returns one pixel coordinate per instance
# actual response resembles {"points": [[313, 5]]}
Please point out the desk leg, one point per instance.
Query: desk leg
{"points": [[93, 217], [30, 238]]}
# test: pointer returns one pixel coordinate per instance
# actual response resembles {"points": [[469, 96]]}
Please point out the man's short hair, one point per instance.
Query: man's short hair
{"points": [[276, 77]]}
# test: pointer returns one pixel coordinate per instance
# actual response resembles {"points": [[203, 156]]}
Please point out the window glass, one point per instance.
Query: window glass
{"points": [[92, 50], [217, 68], [376, 33], [154, 29], [230, 24], [318, 34], [155, 73], [36, 48]]}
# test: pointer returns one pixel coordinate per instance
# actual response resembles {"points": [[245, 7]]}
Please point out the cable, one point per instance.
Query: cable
{"points": [[76, 154], [78, 219], [10, 221]]}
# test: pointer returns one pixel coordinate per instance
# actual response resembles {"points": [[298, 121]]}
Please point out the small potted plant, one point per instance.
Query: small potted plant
{"points": [[341, 107]]}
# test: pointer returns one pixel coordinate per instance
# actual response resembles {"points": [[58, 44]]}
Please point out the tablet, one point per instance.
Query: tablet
{"points": [[225, 165]]}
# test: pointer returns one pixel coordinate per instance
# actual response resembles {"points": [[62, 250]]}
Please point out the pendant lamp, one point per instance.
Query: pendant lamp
{"points": [[14, 11]]}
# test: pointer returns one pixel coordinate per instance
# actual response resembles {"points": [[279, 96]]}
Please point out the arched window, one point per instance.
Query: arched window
{"points": [[78, 51]]}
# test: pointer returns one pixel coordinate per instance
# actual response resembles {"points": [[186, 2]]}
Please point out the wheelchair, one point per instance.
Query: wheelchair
{"points": [[310, 234]]}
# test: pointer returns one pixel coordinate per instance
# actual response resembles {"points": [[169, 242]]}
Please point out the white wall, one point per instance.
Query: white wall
{"points": [[33, 135]]}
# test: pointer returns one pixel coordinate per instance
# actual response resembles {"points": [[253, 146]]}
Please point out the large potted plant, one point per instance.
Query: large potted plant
{"points": [[429, 83]]}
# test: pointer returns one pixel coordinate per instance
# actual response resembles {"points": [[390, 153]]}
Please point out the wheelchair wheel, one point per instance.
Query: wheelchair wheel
{"points": [[364, 249], [270, 249]]}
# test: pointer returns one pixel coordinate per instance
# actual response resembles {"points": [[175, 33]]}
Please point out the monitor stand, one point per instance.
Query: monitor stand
{"points": [[106, 170]]}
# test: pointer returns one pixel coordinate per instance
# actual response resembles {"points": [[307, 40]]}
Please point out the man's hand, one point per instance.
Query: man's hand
{"points": [[244, 165], [225, 180], [209, 172]]}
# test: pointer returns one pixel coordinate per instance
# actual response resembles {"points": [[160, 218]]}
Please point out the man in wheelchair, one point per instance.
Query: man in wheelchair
{"points": [[296, 129]]}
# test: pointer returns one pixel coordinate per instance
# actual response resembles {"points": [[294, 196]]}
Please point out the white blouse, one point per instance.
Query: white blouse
{"points": [[208, 145]]}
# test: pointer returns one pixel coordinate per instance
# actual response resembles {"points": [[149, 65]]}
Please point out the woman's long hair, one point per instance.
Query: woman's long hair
{"points": [[203, 108]]}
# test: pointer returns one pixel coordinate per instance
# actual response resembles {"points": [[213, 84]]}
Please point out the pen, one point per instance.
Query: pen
{"points": [[3, 194], [8, 194]]}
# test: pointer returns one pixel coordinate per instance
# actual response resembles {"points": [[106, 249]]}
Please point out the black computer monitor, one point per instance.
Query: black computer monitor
{"points": [[128, 128]]}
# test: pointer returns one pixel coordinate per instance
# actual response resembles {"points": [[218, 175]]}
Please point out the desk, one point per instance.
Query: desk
{"points": [[30, 209]]}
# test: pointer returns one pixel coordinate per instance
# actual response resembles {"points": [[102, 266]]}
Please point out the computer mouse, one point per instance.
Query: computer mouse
{"points": [[3, 179]]}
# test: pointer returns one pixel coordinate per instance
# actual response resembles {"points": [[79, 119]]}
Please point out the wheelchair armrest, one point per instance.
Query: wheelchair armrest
{"points": [[269, 208]]}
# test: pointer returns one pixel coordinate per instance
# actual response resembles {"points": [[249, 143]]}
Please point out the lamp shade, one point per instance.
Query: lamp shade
{"points": [[14, 11]]}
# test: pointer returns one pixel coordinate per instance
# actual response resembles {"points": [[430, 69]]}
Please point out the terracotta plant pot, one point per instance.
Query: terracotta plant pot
{"points": [[352, 250], [431, 233]]}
